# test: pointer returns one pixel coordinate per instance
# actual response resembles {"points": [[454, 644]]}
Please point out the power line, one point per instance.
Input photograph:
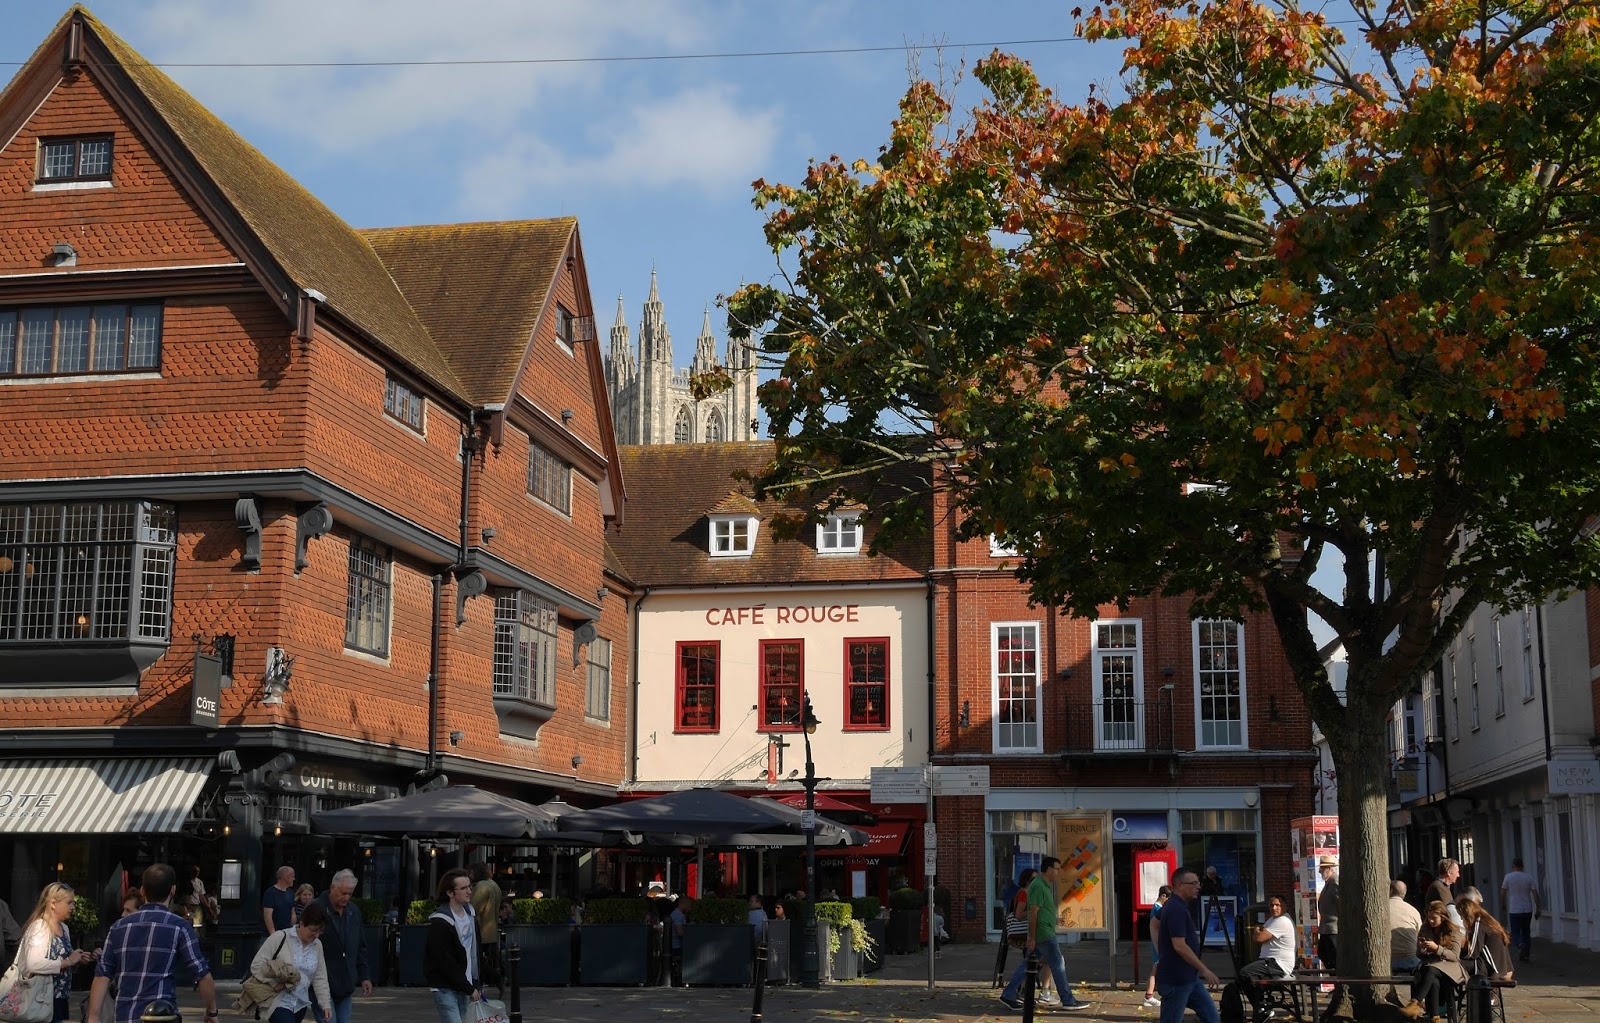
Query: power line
{"points": [[625, 59]]}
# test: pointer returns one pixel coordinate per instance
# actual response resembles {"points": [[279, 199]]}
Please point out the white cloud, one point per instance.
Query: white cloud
{"points": [[698, 138], [345, 109]]}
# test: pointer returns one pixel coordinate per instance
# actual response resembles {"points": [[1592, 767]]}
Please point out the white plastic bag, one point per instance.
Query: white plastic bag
{"points": [[487, 1010]]}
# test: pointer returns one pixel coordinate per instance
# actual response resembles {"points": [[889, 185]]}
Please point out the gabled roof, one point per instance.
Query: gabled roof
{"points": [[673, 489], [479, 289]]}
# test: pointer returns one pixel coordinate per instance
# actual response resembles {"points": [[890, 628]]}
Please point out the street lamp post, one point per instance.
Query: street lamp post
{"points": [[810, 968]]}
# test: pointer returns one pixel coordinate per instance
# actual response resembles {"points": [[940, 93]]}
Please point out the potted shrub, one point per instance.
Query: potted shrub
{"points": [[867, 910], [837, 918], [82, 924], [718, 942], [413, 941], [614, 942], [907, 906], [543, 933]]}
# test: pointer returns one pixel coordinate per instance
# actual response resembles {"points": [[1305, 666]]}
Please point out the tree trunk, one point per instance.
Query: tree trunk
{"points": [[1360, 751]]}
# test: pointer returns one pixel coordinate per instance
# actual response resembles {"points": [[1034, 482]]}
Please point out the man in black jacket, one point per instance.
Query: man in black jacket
{"points": [[450, 958], [344, 945]]}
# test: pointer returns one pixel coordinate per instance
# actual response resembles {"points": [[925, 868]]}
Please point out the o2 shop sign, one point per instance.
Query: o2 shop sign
{"points": [[1139, 827]]}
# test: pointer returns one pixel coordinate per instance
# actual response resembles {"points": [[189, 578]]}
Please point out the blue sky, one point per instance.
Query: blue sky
{"points": [[655, 158]]}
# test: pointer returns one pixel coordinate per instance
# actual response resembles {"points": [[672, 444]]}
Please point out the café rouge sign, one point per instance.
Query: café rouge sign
{"points": [[783, 614]]}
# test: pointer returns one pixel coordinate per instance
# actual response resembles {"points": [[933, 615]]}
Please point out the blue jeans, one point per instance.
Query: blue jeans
{"points": [[1049, 955], [341, 1008], [1177, 997], [1521, 931], [452, 1005]]}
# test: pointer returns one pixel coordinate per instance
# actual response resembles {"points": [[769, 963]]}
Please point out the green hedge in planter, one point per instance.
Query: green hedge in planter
{"points": [[837, 916], [85, 916], [371, 910], [621, 910], [865, 907], [720, 911], [419, 911], [543, 911], [907, 898]]}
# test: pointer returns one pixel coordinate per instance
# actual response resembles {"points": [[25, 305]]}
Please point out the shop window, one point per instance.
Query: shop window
{"points": [[1018, 839], [1225, 839], [698, 687], [866, 696]]}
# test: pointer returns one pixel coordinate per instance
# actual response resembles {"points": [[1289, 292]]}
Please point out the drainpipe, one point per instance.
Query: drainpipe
{"points": [[469, 446], [932, 695], [1544, 681], [433, 678], [633, 699]]}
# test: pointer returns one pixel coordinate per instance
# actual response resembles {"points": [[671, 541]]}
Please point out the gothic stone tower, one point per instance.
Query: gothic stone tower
{"points": [[650, 398]]}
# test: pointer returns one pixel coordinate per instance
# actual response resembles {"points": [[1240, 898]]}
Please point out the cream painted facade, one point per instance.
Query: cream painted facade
{"points": [[823, 618]]}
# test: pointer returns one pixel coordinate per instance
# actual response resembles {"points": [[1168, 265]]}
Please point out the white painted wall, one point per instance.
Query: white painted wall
{"points": [[737, 752]]}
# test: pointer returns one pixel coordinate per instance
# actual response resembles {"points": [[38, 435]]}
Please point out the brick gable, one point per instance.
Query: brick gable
{"points": [[143, 220]]}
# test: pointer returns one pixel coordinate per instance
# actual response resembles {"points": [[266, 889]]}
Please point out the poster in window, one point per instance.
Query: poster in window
{"points": [[1084, 889]]}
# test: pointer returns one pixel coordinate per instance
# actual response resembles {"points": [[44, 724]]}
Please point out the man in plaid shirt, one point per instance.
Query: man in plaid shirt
{"points": [[141, 950]]}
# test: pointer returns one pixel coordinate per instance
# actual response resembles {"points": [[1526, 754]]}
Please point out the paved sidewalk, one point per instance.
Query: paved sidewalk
{"points": [[1561, 985]]}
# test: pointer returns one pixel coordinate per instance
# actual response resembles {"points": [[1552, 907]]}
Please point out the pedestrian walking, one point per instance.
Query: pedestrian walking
{"points": [[10, 932], [303, 897], [142, 949], [1519, 894], [1181, 978], [450, 957], [277, 902], [47, 944], [486, 897], [1042, 939], [344, 945], [297, 952]]}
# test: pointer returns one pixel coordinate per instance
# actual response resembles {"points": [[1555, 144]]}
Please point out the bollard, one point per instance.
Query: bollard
{"points": [[513, 958], [1030, 986], [1480, 1000], [760, 981]]}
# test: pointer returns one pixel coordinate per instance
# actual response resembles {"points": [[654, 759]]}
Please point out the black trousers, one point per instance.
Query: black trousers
{"points": [[1433, 989], [1328, 952], [1261, 969]]}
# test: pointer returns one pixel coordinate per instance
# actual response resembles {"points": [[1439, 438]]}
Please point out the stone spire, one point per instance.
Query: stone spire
{"points": [[621, 346], [705, 346], [655, 343]]}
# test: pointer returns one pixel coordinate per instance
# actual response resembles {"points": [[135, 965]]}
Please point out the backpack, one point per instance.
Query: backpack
{"points": [[1230, 1006]]}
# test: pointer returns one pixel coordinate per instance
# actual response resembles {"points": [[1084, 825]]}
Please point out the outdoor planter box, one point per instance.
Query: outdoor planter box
{"points": [[376, 952], [545, 952], [873, 960], [905, 930], [413, 947], [717, 953], [844, 964], [615, 954]]}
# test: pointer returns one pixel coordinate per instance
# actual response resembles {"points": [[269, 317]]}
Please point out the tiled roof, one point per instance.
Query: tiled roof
{"points": [[478, 289], [672, 488]]}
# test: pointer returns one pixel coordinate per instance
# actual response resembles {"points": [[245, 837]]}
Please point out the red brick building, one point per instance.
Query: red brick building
{"points": [[291, 515], [1178, 734]]}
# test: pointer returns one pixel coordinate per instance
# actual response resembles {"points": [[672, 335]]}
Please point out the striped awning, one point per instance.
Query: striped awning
{"points": [[114, 795]]}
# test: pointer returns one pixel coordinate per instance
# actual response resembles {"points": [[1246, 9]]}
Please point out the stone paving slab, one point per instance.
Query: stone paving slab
{"points": [[1561, 985]]}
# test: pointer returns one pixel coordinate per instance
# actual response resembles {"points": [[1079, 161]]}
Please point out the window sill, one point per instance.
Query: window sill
{"points": [[69, 186], [866, 728], [521, 717], [697, 731]]}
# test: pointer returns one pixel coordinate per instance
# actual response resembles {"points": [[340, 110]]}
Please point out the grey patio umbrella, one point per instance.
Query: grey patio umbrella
{"points": [[452, 812]]}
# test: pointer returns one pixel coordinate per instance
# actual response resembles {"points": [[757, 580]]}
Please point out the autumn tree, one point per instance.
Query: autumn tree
{"points": [[1304, 292]]}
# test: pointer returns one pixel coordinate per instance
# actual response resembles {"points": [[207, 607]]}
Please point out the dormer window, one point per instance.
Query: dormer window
{"points": [[840, 533], [83, 158], [733, 536]]}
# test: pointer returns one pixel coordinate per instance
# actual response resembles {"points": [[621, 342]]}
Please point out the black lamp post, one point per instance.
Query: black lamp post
{"points": [[810, 968]]}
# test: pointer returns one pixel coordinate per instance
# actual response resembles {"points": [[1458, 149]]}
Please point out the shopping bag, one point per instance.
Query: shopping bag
{"points": [[487, 1010], [26, 999]]}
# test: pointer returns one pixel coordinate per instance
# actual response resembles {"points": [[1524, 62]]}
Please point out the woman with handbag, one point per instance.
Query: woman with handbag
{"points": [[47, 947], [296, 953]]}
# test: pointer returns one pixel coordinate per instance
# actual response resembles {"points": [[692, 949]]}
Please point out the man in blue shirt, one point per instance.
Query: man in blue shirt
{"points": [[142, 949], [1181, 978], [277, 903]]}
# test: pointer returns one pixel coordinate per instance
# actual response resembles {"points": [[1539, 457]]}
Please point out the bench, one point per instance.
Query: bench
{"points": [[1285, 993]]}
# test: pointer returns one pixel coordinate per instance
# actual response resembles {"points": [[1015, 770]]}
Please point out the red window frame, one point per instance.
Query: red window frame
{"points": [[869, 721], [774, 695], [699, 718]]}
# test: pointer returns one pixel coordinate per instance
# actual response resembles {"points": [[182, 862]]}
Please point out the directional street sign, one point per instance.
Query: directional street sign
{"points": [[899, 785]]}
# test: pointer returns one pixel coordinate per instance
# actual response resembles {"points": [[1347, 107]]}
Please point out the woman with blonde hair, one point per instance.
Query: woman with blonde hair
{"points": [[1440, 974], [303, 897], [47, 943]]}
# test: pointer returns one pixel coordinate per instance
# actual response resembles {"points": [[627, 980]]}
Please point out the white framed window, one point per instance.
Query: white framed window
{"points": [[999, 548], [1118, 684], [1528, 667], [840, 533], [1472, 666], [733, 536], [1015, 692], [1219, 691], [1499, 671], [598, 704], [563, 328], [525, 629], [1455, 697]]}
